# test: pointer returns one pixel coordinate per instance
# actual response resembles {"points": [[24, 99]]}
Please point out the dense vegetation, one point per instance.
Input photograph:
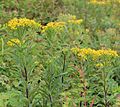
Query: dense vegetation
{"points": [[59, 53]]}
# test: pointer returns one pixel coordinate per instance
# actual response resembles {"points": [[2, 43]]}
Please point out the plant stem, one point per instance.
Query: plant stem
{"points": [[50, 97], [2, 49], [64, 63], [85, 89], [26, 79], [104, 88], [2, 46]]}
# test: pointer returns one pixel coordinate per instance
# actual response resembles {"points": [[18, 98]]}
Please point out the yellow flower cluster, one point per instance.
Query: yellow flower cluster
{"points": [[101, 2], [75, 21], [99, 65], [83, 53], [14, 23], [12, 42], [53, 25]]}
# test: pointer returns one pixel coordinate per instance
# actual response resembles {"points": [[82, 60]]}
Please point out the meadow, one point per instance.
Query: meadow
{"points": [[59, 53]]}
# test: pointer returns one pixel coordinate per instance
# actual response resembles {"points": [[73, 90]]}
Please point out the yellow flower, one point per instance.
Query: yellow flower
{"points": [[102, 2], [53, 25], [99, 65], [73, 17], [21, 22], [75, 21], [75, 50], [94, 53], [12, 42], [108, 52]]}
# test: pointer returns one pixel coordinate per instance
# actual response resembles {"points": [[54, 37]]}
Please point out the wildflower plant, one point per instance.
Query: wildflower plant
{"points": [[98, 66], [22, 57]]}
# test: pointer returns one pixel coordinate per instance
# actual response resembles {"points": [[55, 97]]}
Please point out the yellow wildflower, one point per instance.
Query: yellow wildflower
{"points": [[75, 50], [75, 21], [14, 23], [94, 53], [107, 52], [53, 25], [99, 65], [12, 42], [99, 2], [73, 17]]}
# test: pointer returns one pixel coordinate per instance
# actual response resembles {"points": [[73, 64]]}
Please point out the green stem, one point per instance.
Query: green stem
{"points": [[51, 102], [2, 46], [26, 89], [64, 63], [2, 54], [105, 89]]}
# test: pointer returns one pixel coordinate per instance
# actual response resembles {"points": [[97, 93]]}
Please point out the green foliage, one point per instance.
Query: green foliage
{"points": [[38, 68]]}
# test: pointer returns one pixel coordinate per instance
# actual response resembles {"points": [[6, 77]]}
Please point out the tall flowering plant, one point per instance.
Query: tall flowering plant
{"points": [[21, 59], [98, 67]]}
